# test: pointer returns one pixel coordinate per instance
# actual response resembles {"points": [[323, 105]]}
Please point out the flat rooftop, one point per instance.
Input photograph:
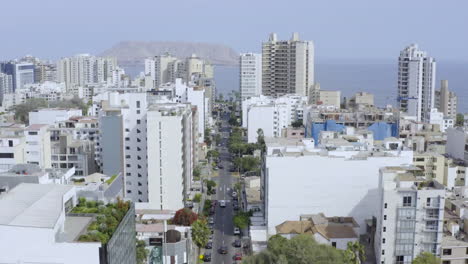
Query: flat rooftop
{"points": [[33, 205]]}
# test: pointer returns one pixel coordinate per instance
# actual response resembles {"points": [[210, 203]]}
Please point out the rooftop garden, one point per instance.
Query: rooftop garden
{"points": [[107, 219], [111, 179]]}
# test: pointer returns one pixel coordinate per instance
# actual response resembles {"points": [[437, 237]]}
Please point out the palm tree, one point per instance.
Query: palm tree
{"points": [[355, 253]]}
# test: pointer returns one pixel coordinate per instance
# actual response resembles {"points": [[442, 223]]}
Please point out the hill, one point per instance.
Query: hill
{"points": [[134, 52]]}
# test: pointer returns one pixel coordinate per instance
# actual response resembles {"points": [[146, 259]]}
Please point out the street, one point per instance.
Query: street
{"points": [[223, 228]]}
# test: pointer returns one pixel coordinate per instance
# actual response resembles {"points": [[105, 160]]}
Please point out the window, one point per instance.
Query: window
{"points": [[10, 143], [385, 217], [447, 251], [138, 121], [129, 191], [7, 155], [383, 240], [334, 244], [384, 229], [407, 201], [128, 165], [128, 174], [138, 131], [400, 259], [127, 130], [127, 156], [127, 147], [446, 262], [383, 252], [138, 104], [467, 251], [385, 205], [127, 139], [32, 133]]}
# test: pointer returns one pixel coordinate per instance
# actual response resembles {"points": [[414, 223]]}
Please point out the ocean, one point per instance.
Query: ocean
{"points": [[379, 78]]}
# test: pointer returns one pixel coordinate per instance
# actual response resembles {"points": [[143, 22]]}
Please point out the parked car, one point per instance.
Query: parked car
{"points": [[234, 194], [211, 220], [223, 250], [237, 243], [207, 257], [236, 207], [238, 256], [209, 245], [236, 231]]}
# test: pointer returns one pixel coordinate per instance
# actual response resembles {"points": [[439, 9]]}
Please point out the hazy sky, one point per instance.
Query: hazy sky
{"points": [[370, 29]]}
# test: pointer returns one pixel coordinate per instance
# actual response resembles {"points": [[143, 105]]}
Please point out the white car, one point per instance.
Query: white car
{"points": [[222, 203], [236, 231]]}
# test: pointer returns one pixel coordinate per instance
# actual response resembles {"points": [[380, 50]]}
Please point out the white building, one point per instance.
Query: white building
{"points": [[456, 146], [287, 66], [12, 146], [159, 68], [38, 146], [330, 98], [6, 85], [50, 116], [416, 82], [84, 69], [341, 179], [410, 219], [122, 122], [437, 118], [270, 114], [169, 150], [446, 101], [49, 91], [250, 75]]}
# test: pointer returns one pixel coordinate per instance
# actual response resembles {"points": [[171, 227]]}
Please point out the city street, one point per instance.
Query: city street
{"points": [[224, 229]]}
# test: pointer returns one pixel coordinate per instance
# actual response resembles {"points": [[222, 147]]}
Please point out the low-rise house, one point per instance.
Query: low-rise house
{"points": [[333, 231]]}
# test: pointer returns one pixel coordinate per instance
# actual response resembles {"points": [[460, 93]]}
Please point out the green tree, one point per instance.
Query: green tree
{"points": [[22, 110], [200, 232], [355, 253], [141, 252], [301, 249], [197, 197], [208, 136], [212, 154], [242, 219], [196, 173], [460, 120], [426, 258], [297, 123], [247, 163]]}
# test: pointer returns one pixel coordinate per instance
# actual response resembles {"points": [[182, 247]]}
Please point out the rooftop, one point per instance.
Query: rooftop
{"points": [[33, 205]]}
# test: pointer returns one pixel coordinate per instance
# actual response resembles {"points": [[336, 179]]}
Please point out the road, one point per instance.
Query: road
{"points": [[224, 229]]}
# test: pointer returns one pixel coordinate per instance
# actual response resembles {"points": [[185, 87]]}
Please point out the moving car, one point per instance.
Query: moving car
{"points": [[223, 250], [238, 256], [237, 243], [222, 203]]}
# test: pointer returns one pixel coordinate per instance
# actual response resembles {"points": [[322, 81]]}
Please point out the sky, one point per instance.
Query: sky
{"points": [[340, 29]]}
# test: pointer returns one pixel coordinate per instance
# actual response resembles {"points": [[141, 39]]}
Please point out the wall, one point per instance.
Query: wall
{"points": [[295, 186]]}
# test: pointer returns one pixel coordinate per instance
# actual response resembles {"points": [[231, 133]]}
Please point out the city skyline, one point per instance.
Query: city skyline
{"points": [[339, 33]]}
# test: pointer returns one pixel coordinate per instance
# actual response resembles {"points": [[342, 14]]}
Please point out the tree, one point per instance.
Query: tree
{"points": [[184, 217], [355, 253], [301, 249], [212, 154], [22, 110], [297, 123], [141, 252], [197, 197], [210, 185], [242, 219], [208, 136], [247, 163], [200, 232], [196, 173], [426, 258], [460, 120]]}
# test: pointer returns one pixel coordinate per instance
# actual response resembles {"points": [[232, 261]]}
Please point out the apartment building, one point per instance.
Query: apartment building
{"points": [[287, 66], [457, 147], [6, 85], [416, 82], [331, 98], [410, 219], [361, 99], [50, 116], [272, 115], [38, 145], [250, 75], [296, 173], [12, 146], [446, 101], [72, 153], [170, 150]]}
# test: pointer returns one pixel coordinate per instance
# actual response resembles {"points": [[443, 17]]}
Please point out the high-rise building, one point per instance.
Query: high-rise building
{"points": [[411, 215], [169, 150], [6, 84], [84, 69], [250, 75], [446, 101], [287, 66], [416, 82], [21, 72], [159, 68]]}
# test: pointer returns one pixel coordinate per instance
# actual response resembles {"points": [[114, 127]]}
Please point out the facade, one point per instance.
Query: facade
{"points": [[22, 73], [70, 153], [331, 98], [12, 146], [170, 150], [416, 82], [250, 75], [287, 66], [159, 68], [457, 146], [38, 146], [361, 99], [410, 219], [446, 100], [296, 173]]}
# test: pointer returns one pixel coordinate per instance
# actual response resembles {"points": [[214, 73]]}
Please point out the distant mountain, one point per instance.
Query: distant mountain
{"points": [[134, 52]]}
